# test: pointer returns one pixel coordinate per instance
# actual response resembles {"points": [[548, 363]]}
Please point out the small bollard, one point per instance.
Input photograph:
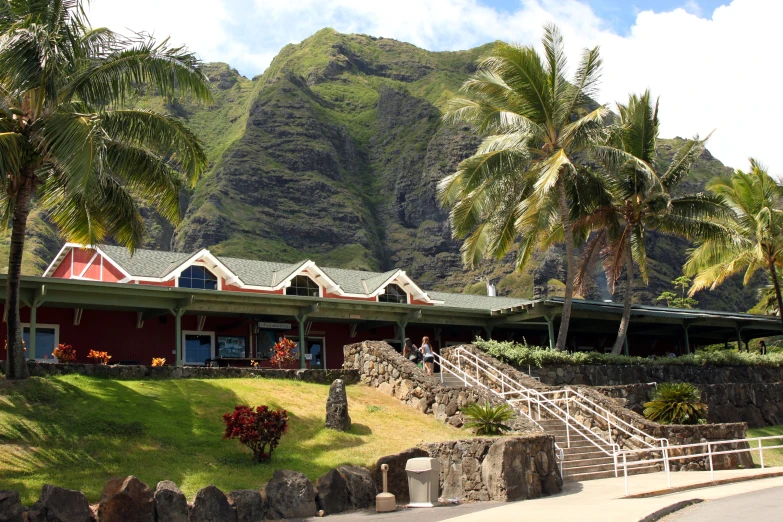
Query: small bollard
{"points": [[385, 502]]}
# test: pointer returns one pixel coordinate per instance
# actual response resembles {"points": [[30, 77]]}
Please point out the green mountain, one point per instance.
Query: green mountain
{"points": [[333, 154]]}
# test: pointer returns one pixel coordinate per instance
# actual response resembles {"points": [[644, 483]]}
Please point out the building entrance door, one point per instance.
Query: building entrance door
{"points": [[316, 348]]}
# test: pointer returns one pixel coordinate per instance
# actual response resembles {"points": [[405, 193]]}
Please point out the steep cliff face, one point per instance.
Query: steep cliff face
{"points": [[334, 154]]}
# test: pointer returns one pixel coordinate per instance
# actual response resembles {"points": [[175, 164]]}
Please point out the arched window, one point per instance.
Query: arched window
{"points": [[303, 285], [393, 294], [197, 276]]}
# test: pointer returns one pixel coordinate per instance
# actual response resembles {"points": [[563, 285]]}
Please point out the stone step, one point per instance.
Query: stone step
{"points": [[587, 468], [580, 463], [579, 476]]}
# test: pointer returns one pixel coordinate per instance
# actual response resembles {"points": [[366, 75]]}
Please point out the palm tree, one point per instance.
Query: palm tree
{"points": [[68, 146], [536, 125], [751, 235], [627, 198]]}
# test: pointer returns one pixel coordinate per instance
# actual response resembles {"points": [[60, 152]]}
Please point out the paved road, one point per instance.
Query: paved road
{"points": [[758, 506], [413, 514]]}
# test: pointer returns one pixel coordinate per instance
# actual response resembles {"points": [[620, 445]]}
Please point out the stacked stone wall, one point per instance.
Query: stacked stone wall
{"points": [[381, 367], [758, 404], [133, 372]]}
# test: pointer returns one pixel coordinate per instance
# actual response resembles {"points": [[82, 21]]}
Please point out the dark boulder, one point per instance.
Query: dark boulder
{"points": [[504, 473], [170, 503], [211, 505], [248, 504], [289, 494], [126, 500], [398, 478], [337, 417], [361, 486], [10, 507], [60, 505], [332, 493]]}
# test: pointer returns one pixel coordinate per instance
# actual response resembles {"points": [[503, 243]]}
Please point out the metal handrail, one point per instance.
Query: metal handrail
{"points": [[666, 458], [569, 421], [619, 422]]}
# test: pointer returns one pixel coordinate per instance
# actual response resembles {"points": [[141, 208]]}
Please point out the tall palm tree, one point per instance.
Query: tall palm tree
{"points": [[628, 197], [536, 125], [751, 237], [68, 146]]}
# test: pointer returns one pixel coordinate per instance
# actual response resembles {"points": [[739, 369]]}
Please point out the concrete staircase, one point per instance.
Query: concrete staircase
{"points": [[450, 380], [587, 457]]}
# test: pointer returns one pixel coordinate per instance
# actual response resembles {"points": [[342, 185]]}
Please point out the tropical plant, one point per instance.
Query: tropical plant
{"points": [[65, 353], [627, 197], [536, 124], [488, 419], [282, 353], [99, 357], [67, 144], [676, 403], [679, 298], [751, 235], [259, 429]]}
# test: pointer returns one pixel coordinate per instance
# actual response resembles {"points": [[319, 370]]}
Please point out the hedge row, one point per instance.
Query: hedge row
{"points": [[526, 355]]}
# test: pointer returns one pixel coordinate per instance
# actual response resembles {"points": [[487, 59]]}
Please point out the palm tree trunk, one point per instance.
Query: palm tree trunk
{"points": [[16, 365], [617, 349], [774, 275], [568, 232]]}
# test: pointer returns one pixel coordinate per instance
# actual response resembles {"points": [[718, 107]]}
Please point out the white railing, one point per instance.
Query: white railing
{"points": [[518, 394], [469, 380], [666, 457]]}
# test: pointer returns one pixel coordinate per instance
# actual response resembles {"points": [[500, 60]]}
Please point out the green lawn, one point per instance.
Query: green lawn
{"points": [[773, 457], [77, 432]]}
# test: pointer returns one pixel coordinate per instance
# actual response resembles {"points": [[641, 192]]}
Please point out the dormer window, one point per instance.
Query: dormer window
{"points": [[197, 276], [393, 294], [304, 286]]}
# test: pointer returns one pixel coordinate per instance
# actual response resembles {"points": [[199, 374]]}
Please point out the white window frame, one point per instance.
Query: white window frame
{"points": [[55, 327], [308, 276], [185, 333], [408, 296], [204, 265]]}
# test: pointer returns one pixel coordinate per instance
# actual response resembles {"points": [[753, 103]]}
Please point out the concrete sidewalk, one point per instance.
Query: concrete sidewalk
{"points": [[602, 500]]}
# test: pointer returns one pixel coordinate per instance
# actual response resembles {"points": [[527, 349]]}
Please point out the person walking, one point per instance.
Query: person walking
{"points": [[429, 355]]}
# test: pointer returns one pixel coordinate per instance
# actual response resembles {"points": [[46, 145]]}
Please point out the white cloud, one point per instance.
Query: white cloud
{"points": [[717, 72]]}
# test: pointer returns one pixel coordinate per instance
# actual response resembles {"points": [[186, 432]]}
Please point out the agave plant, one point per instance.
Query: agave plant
{"points": [[676, 403], [488, 419]]}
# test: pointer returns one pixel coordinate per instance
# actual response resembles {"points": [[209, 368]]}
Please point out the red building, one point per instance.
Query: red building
{"points": [[194, 308]]}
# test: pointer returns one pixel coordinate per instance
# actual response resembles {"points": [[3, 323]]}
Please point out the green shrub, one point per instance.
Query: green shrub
{"points": [[676, 403], [523, 355], [488, 419]]}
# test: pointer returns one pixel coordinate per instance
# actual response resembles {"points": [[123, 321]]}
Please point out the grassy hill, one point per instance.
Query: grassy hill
{"points": [[77, 432], [334, 153]]}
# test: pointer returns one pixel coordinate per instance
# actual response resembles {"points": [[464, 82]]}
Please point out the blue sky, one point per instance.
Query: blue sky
{"points": [[712, 62]]}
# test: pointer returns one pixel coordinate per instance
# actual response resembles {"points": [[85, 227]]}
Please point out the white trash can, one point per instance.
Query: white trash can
{"points": [[423, 481]]}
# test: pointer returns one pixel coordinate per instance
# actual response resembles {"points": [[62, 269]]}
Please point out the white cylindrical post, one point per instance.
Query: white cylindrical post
{"points": [[761, 454], [709, 454], [625, 473], [568, 431]]}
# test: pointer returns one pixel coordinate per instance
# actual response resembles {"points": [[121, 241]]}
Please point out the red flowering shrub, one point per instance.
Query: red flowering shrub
{"points": [[257, 429], [65, 353], [283, 356]]}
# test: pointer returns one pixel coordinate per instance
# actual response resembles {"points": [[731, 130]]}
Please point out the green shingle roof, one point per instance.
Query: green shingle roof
{"points": [[157, 263], [481, 302], [145, 263]]}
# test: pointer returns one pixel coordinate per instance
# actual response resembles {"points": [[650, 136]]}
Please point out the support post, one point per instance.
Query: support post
{"points": [[178, 336], [33, 318], [302, 340], [687, 340], [625, 342], [401, 326], [488, 331], [739, 339], [550, 325]]}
